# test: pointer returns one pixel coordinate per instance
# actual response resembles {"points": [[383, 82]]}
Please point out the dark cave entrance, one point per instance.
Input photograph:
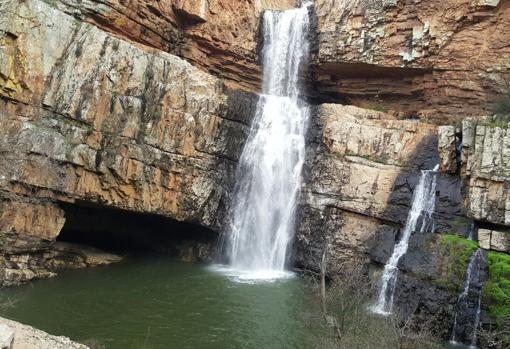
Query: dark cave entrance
{"points": [[127, 233]]}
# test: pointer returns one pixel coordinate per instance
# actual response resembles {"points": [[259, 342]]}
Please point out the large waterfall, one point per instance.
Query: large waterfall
{"points": [[468, 307], [269, 171], [418, 219]]}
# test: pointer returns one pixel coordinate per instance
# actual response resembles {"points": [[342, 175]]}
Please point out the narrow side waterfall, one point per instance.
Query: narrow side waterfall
{"points": [[418, 219], [269, 170], [468, 307]]}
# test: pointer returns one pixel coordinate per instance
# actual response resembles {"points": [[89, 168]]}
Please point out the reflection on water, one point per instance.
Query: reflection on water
{"points": [[158, 302]]}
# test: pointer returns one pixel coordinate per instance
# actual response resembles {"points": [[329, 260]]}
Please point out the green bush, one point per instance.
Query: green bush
{"points": [[497, 288]]}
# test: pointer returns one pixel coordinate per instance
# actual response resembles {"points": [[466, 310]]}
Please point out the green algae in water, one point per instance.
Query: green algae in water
{"points": [[158, 302]]}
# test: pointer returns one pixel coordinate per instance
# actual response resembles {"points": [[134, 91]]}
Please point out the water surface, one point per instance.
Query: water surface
{"points": [[158, 302]]}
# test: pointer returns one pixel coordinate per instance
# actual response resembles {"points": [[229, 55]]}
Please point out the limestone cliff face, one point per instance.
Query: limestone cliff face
{"points": [[440, 60], [361, 172], [479, 153], [87, 116], [217, 35], [145, 106]]}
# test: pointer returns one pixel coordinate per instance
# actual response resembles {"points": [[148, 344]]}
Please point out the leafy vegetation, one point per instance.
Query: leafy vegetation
{"points": [[497, 288], [341, 319], [500, 121]]}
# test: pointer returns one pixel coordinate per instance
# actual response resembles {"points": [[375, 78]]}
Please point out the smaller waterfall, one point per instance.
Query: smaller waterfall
{"points": [[472, 231], [418, 219], [468, 307]]}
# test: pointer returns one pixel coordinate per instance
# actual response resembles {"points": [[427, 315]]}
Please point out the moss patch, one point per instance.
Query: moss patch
{"points": [[457, 252], [497, 288]]}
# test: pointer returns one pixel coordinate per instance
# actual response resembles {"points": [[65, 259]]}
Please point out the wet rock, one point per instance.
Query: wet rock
{"points": [[359, 185]]}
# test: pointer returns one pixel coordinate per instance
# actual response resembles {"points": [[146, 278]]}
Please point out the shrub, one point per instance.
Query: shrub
{"points": [[497, 288]]}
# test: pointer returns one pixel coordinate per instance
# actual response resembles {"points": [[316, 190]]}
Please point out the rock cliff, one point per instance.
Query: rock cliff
{"points": [[87, 116], [439, 60], [145, 107]]}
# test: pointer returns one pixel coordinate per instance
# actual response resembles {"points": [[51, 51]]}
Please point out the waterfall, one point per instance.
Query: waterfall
{"points": [[269, 171], [468, 307], [419, 217], [472, 229]]}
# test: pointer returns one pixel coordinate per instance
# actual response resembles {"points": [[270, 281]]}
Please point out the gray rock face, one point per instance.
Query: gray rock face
{"points": [[360, 181], [360, 178], [494, 240], [485, 171]]}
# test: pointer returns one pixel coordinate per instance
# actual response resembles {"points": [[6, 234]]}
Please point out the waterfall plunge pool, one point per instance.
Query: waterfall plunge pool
{"points": [[159, 302]]}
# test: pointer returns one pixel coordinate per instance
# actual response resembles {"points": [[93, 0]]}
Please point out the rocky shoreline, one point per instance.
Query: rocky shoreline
{"points": [[14, 335]]}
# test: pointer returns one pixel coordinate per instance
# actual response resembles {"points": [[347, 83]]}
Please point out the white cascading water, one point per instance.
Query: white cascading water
{"points": [[473, 283], [269, 170], [424, 201]]}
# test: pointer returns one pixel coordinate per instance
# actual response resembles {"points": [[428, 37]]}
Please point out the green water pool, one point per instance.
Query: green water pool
{"points": [[158, 302]]}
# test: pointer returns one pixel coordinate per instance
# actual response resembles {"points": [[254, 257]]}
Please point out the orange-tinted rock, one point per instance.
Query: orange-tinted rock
{"points": [[440, 60]]}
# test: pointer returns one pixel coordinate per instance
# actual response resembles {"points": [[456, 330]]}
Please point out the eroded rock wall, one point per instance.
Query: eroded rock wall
{"points": [[438, 60], [481, 157], [91, 117], [361, 173], [219, 36]]}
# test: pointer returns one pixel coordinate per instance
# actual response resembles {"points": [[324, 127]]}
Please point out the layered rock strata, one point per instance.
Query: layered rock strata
{"points": [[480, 156], [216, 35], [437, 60], [360, 180], [90, 117]]}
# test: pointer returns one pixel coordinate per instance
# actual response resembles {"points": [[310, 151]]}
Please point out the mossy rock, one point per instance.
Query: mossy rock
{"points": [[459, 250], [456, 252]]}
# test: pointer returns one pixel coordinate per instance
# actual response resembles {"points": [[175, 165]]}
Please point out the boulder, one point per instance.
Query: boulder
{"points": [[6, 337]]}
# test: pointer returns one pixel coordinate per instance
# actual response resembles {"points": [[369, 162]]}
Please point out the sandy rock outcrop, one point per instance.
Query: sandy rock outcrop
{"points": [[439, 60], [27, 337]]}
